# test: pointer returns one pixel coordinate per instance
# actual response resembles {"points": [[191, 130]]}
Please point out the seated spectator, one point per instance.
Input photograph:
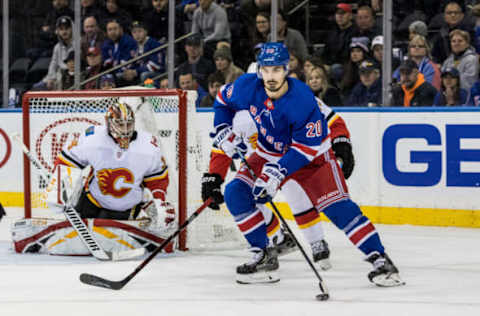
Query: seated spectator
{"points": [[417, 28], [156, 21], [413, 90], [338, 40], [92, 8], [419, 52], [225, 65], [67, 76], [147, 67], [358, 53], [114, 12], [476, 13], [454, 18], [60, 53], [368, 92], [365, 23], [163, 83], [94, 67], [261, 30], [317, 80], [295, 64], [186, 81], [198, 65], [215, 82], [292, 38], [47, 37], [117, 48], [107, 82], [463, 57], [252, 68], [210, 20], [93, 36], [311, 62], [450, 93]]}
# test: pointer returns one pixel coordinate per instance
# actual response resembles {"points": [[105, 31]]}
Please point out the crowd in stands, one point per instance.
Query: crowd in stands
{"points": [[435, 57]]}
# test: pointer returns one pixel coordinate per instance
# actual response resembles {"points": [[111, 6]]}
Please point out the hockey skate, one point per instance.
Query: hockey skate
{"points": [[321, 254], [286, 246], [261, 269], [384, 271]]}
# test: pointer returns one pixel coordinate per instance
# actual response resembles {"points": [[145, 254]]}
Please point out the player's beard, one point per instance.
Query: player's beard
{"points": [[271, 85]]}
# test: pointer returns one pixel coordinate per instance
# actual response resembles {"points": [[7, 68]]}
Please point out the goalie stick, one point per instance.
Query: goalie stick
{"points": [[324, 295], [94, 280], [74, 218]]}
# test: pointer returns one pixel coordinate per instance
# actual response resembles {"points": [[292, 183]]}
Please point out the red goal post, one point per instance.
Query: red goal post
{"points": [[51, 118]]}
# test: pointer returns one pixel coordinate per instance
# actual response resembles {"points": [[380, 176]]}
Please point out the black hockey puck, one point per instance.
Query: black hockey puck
{"points": [[322, 297]]}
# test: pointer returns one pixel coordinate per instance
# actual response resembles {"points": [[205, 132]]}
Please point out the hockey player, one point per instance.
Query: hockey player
{"points": [[244, 127], [123, 161], [293, 151]]}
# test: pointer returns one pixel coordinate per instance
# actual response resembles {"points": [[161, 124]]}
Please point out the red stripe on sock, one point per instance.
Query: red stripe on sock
{"points": [[355, 238], [251, 222], [307, 217]]}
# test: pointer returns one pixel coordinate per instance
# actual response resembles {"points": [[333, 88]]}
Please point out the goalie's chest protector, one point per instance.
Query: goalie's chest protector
{"points": [[118, 174]]}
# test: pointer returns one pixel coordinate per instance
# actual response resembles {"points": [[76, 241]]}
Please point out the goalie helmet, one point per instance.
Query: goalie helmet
{"points": [[120, 120]]}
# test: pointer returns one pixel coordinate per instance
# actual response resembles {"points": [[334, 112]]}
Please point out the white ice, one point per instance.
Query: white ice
{"points": [[440, 265]]}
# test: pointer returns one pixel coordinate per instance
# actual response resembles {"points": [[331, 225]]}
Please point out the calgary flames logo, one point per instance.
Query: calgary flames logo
{"points": [[108, 178]]}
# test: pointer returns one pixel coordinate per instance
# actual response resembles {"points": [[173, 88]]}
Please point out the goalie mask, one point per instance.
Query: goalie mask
{"points": [[120, 120]]}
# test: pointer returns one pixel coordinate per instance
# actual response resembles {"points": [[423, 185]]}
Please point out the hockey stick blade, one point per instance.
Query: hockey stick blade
{"points": [[93, 280]]}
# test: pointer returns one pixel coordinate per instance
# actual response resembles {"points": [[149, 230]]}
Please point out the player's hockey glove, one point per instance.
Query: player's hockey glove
{"points": [[343, 151], [211, 183], [267, 184], [226, 140]]}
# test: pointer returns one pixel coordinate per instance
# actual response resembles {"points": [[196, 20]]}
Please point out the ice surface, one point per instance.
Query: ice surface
{"points": [[440, 265]]}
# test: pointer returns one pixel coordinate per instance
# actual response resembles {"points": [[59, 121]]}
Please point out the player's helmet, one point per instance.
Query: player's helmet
{"points": [[120, 120], [273, 54]]}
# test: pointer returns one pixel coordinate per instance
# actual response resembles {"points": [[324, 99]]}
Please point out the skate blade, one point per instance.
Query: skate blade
{"points": [[258, 277], [388, 280], [324, 264]]}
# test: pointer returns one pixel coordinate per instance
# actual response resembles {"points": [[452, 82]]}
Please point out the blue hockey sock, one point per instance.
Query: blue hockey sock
{"points": [[250, 220]]}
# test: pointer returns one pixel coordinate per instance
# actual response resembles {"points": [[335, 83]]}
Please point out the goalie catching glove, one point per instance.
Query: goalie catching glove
{"points": [[343, 151], [267, 184], [225, 139], [161, 214], [211, 183]]}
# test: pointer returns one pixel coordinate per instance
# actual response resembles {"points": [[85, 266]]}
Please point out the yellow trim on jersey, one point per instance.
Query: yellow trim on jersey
{"points": [[218, 151], [160, 177], [332, 119], [92, 199], [310, 224], [66, 161]]}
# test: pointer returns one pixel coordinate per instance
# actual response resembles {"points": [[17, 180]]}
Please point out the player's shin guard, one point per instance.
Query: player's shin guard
{"points": [[347, 216], [249, 219]]}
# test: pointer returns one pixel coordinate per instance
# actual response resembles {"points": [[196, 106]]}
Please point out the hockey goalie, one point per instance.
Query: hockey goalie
{"points": [[121, 192]]}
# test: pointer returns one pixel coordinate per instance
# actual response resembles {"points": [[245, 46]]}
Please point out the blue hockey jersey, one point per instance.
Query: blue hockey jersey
{"points": [[291, 130]]}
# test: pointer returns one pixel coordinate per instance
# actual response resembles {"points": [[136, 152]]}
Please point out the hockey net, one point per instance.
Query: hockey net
{"points": [[53, 119]]}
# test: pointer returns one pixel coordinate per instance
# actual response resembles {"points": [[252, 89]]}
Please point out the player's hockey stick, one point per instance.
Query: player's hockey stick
{"points": [[74, 218], [94, 280], [323, 296]]}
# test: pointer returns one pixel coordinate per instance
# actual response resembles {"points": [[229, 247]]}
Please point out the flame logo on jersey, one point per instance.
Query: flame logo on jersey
{"points": [[108, 178]]}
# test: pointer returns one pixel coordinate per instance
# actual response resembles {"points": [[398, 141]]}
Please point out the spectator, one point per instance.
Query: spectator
{"points": [[476, 13], [224, 63], [156, 21], [368, 92], [47, 37], [60, 52], [149, 66], [358, 53], [365, 23], [317, 80], [92, 8], [215, 82], [198, 65], [114, 12], [419, 52], [262, 28], [292, 38], [67, 76], [417, 28], [252, 68], [450, 93], [413, 89], [188, 7], [311, 62], [210, 20], [164, 83], [93, 36], [107, 82], [463, 57], [94, 67], [186, 81], [454, 18], [339, 39], [118, 47], [295, 64]]}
